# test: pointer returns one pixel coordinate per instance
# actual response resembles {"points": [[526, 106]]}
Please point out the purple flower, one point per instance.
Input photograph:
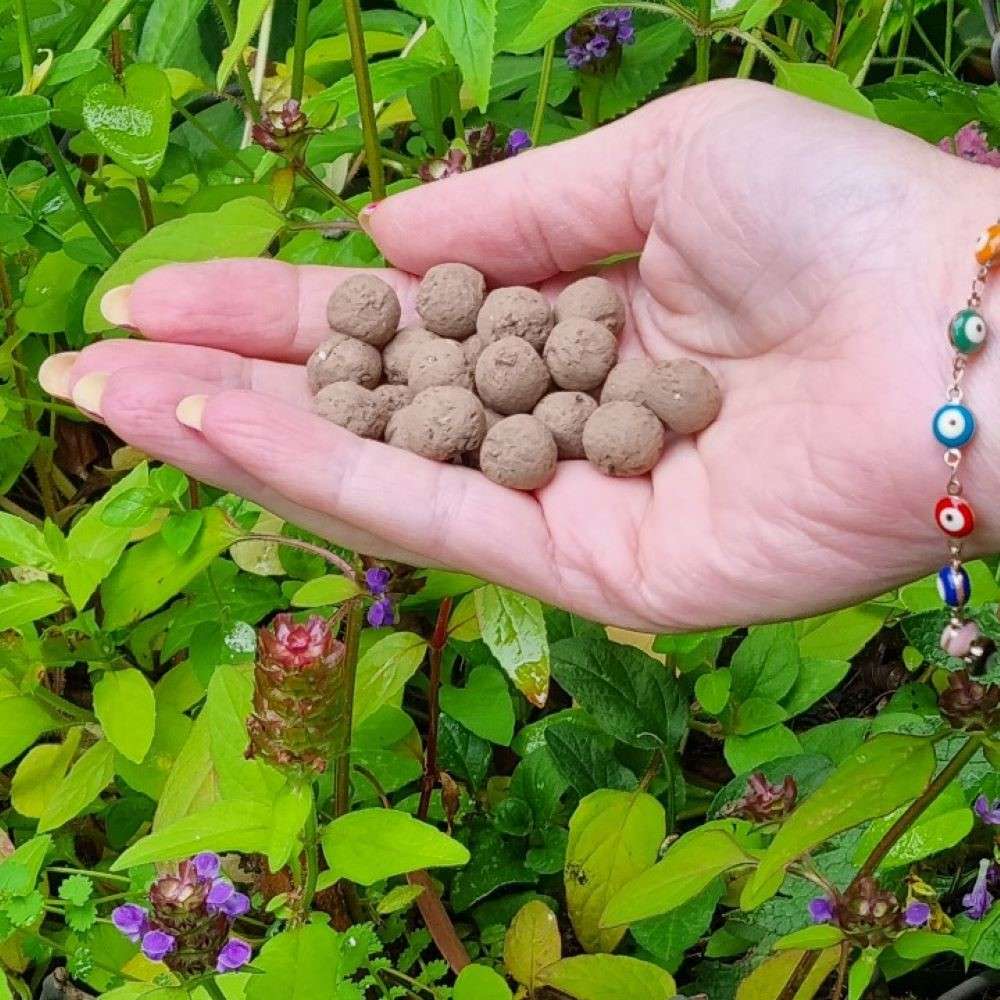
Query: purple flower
{"points": [[821, 910], [989, 814], [234, 955], [219, 895], [377, 580], [599, 46], [607, 19], [917, 914], [207, 864], [518, 141], [977, 903], [577, 56], [131, 920], [156, 945], [381, 613], [626, 34], [237, 904], [971, 143]]}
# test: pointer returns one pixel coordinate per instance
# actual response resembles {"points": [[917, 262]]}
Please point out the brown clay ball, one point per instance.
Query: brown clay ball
{"points": [[627, 381], [473, 346], [510, 376], [580, 353], [592, 298], [342, 359], [352, 407], [449, 299], [515, 312], [393, 397], [519, 452], [683, 394], [440, 362], [441, 423], [366, 308], [397, 354], [565, 414], [623, 439]]}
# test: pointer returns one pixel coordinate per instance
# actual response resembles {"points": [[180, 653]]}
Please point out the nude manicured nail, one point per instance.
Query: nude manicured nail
{"points": [[53, 376], [365, 216], [89, 391], [115, 306], [189, 411]]}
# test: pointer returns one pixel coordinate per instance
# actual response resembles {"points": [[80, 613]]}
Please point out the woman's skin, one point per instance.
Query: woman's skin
{"points": [[812, 259]]}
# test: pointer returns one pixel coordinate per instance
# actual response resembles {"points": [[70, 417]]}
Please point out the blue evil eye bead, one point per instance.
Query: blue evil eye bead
{"points": [[954, 425], [967, 331], [953, 585]]}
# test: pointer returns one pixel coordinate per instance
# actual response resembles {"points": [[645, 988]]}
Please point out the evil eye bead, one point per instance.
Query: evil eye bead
{"points": [[988, 245], [967, 331], [954, 516], [953, 586], [954, 425], [959, 637]]}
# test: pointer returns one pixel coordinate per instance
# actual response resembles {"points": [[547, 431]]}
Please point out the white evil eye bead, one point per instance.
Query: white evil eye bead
{"points": [[967, 331], [954, 425], [953, 585]]}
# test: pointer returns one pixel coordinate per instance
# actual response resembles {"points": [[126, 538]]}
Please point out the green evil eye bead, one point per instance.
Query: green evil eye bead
{"points": [[967, 331]]}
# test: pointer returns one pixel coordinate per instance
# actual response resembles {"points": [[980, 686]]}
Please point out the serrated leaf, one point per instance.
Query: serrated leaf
{"points": [[822, 83]]}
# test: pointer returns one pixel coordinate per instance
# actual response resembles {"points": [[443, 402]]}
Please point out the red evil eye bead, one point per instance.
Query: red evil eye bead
{"points": [[954, 517]]}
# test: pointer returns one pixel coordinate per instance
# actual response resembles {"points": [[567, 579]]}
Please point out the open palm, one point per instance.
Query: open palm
{"points": [[812, 259]]}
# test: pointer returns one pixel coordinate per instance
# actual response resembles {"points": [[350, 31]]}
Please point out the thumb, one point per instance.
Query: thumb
{"points": [[527, 218]]}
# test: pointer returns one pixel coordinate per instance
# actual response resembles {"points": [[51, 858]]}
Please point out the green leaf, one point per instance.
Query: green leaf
{"points": [[332, 589], [691, 863], [21, 114], [22, 603], [861, 35], [597, 977], [22, 721], [550, 18], [469, 29], [131, 509], [756, 714], [810, 938], [862, 973], [513, 627], [822, 83], [126, 709], [630, 695], [586, 759], [164, 28], [192, 784], [248, 20], [613, 838], [483, 706], [22, 543], [769, 979], [712, 690], [886, 772], [180, 530], [384, 670], [840, 635], [369, 845], [929, 105], [150, 573], [401, 897], [918, 944], [240, 228], [131, 121], [88, 777], [669, 936], [816, 679], [766, 663], [532, 943], [40, 772], [169, 740], [233, 825], [291, 810], [745, 753], [299, 964], [480, 982], [109, 15]]}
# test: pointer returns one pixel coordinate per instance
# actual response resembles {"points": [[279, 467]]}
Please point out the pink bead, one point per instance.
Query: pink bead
{"points": [[957, 640]]}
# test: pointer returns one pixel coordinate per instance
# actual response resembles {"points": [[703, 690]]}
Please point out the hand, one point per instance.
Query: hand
{"points": [[810, 258]]}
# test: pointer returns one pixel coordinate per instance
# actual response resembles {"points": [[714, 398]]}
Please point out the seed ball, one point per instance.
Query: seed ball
{"points": [[474, 346], [449, 299], [440, 362], [515, 312], [441, 423], [565, 413], [580, 353], [342, 359], [393, 398], [510, 376], [398, 353], [623, 439], [471, 458], [519, 452], [592, 298], [626, 381], [352, 407], [366, 308], [683, 394]]}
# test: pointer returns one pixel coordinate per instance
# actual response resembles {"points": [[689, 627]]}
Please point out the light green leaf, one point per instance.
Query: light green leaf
{"points": [[822, 83], [109, 15], [766, 663], [369, 845], [860, 38], [597, 977], [712, 690], [23, 544], [532, 943], [810, 938], [756, 714], [126, 709], [21, 114], [483, 706], [689, 865], [291, 810], [613, 838], [862, 973], [919, 944], [879, 776], [169, 740], [240, 228], [337, 48], [816, 679], [480, 982], [164, 27], [22, 721], [332, 589], [88, 777], [193, 783], [469, 28], [37, 778], [21, 603], [550, 18], [769, 979], [299, 964], [513, 628], [248, 21], [840, 635], [745, 753], [401, 897], [384, 669]]}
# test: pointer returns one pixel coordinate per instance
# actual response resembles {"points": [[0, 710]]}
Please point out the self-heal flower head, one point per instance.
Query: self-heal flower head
{"points": [[822, 910], [599, 46], [131, 920], [381, 613], [377, 580], [626, 34], [156, 945], [916, 914], [517, 142], [989, 814], [207, 864], [234, 955], [237, 904], [607, 19], [219, 895], [292, 645], [978, 901], [577, 56]]}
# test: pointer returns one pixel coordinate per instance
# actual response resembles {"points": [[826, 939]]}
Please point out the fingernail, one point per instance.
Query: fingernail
{"points": [[365, 217], [53, 376], [115, 305], [189, 411], [88, 392]]}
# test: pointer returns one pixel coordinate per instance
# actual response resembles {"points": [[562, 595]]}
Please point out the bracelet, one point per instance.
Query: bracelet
{"points": [[954, 426]]}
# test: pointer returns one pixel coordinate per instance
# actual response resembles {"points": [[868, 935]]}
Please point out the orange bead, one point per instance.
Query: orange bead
{"points": [[988, 245]]}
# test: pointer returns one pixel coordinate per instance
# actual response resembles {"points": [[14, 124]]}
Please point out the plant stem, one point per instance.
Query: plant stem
{"points": [[703, 41], [437, 645], [24, 46], [67, 708], [838, 27], [91, 872], [213, 989], [838, 986], [342, 767], [229, 24], [904, 37], [949, 18], [297, 543], [746, 63], [366, 101], [917, 807], [438, 923], [300, 44], [144, 202], [309, 175], [930, 46], [544, 84], [799, 975], [312, 858]]}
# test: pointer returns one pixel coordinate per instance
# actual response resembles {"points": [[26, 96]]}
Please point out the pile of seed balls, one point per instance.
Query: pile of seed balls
{"points": [[502, 381]]}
